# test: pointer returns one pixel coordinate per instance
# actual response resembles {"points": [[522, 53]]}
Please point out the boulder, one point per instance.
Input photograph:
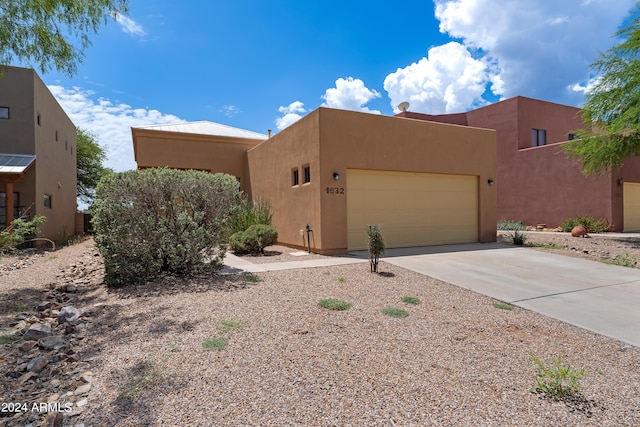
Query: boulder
{"points": [[37, 364], [37, 331], [52, 342], [579, 231], [69, 314]]}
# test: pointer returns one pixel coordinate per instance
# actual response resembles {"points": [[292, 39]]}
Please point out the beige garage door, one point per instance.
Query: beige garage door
{"points": [[631, 211], [411, 209]]}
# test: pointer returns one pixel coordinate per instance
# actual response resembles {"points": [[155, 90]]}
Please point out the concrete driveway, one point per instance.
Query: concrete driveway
{"points": [[599, 297]]}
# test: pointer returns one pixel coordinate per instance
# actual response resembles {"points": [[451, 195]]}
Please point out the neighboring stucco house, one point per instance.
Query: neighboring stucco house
{"points": [[536, 182], [423, 183], [37, 155], [204, 146]]}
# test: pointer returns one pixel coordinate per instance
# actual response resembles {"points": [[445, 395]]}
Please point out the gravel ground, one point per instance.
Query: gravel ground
{"points": [[455, 360]]}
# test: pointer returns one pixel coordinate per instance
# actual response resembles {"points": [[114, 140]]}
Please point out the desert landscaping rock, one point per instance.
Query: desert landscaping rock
{"points": [[37, 331], [136, 357], [69, 314], [53, 342], [37, 364]]}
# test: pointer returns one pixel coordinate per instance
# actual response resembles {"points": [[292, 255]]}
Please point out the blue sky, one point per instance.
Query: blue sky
{"points": [[261, 65]]}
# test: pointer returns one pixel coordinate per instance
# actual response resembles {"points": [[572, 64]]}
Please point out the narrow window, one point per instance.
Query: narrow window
{"points": [[4, 113], [56, 136], [47, 201], [66, 145], [307, 174], [538, 137], [38, 119], [295, 177]]}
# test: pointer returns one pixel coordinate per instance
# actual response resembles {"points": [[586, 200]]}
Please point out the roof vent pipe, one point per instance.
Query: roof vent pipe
{"points": [[269, 132]]}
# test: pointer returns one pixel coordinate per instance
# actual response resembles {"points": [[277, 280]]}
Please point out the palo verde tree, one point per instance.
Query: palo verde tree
{"points": [[90, 156], [611, 110], [52, 33]]}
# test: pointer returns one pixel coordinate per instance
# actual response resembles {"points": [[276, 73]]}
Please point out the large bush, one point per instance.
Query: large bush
{"points": [[591, 224], [154, 220], [254, 239]]}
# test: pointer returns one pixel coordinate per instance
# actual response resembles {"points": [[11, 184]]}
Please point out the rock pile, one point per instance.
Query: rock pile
{"points": [[45, 367]]}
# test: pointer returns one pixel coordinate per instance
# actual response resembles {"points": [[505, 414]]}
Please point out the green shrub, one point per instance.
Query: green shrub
{"points": [[515, 230], [334, 304], [217, 343], [591, 224], [254, 239], [624, 260], [162, 220], [19, 232], [248, 213], [503, 306], [395, 312], [411, 300], [557, 380], [510, 224], [376, 246]]}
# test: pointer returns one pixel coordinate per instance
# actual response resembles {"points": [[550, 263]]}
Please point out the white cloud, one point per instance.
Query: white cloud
{"points": [[111, 122], [449, 80], [230, 110], [350, 94], [291, 114], [130, 26], [586, 86], [541, 47]]}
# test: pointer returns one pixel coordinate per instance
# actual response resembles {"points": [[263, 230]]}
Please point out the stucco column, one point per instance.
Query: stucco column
{"points": [[8, 191]]}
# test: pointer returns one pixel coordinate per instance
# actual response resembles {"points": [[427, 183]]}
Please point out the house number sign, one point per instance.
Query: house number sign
{"points": [[334, 190]]}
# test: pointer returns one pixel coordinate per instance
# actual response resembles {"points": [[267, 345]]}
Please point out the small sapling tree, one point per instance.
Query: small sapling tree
{"points": [[376, 246]]}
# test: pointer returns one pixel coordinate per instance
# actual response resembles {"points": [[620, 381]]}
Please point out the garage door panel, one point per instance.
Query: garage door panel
{"points": [[631, 210], [411, 209]]}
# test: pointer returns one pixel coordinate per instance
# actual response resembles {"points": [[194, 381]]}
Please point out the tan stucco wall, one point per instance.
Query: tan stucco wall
{"points": [[155, 148], [271, 163], [54, 171], [336, 140]]}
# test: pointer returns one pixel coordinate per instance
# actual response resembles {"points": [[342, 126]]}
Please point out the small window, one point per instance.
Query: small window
{"points": [[307, 174], [295, 177], [4, 113], [47, 201], [66, 145], [538, 137], [38, 119], [572, 136], [56, 136]]}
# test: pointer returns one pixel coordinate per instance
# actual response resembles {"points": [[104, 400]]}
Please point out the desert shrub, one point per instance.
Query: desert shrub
{"points": [[510, 224], [515, 230], [592, 225], [556, 380], [247, 213], [162, 220], [254, 239], [376, 246], [18, 232]]}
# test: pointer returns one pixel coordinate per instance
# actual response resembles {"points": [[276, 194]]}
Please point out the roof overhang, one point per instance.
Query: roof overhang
{"points": [[15, 163]]}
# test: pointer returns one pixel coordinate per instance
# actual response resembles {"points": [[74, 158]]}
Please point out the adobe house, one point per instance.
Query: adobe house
{"points": [[337, 171], [204, 146], [536, 182], [37, 155]]}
